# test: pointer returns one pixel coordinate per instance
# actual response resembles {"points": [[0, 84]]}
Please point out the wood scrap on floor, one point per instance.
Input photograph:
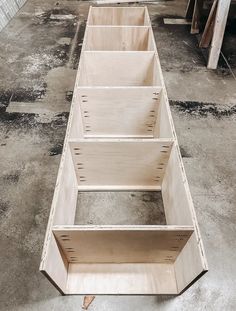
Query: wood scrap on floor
{"points": [[87, 302], [177, 21]]}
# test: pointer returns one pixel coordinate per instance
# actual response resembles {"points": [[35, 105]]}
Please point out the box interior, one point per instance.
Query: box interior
{"points": [[117, 38], [125, 16], [130, 68]]}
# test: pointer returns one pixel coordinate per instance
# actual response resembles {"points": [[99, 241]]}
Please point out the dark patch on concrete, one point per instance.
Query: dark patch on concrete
{"points": [[45, 17], [5, 96], [12, 178], [28, 95], [3, 207], [69, 95], [178, 49], [65, 28], [203, 109], [149, 197], [175, 43], [184, 153], [21, 95], [17, 120], [61, 53], [56, 149], [23, 122]]}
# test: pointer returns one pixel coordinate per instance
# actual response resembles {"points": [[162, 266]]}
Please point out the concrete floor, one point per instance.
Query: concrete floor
{"points": [[38, 60]]}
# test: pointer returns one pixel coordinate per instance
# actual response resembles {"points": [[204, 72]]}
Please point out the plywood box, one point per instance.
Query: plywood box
{"points": [[120, 137]]}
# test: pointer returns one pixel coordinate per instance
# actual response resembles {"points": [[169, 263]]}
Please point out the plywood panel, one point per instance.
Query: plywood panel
{"points": [[175, 196], [190, 263], [118, 162], [123, 279], [121, 112], [122, 244]]}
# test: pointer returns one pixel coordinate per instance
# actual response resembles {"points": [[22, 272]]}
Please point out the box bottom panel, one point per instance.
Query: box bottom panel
{"points": [[121, 279]]}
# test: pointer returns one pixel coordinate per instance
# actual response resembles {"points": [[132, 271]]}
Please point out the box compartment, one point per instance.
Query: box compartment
{"points": [[106, 38], [125, 16], [118, 69], [135, 208]]}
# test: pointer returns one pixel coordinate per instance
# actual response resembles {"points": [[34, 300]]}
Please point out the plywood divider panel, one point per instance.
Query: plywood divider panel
{"points": [[129, 162], [122, 244], [118, 38], [121, 279], [133, 111]]}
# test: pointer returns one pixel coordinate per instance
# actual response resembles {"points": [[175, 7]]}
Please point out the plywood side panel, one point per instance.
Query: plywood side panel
{"points": [[178, 203], [164, 125], [122, 244], [121, 279], [179, 210], [117, 162], [53, 263], [121, 112], [190, 263], [106, 38], [174, 194]]}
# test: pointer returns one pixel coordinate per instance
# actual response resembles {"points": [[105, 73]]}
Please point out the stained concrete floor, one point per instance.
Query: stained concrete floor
{"points": [[38, 60]]}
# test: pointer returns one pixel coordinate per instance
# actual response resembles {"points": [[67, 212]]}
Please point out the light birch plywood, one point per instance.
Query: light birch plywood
{"points": [[132, 111], [134, 162], [122, 244], [121, 279], [122, 164]]}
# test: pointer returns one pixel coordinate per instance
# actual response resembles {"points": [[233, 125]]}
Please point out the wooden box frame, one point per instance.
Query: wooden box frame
{"points": [[113, 154]]}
